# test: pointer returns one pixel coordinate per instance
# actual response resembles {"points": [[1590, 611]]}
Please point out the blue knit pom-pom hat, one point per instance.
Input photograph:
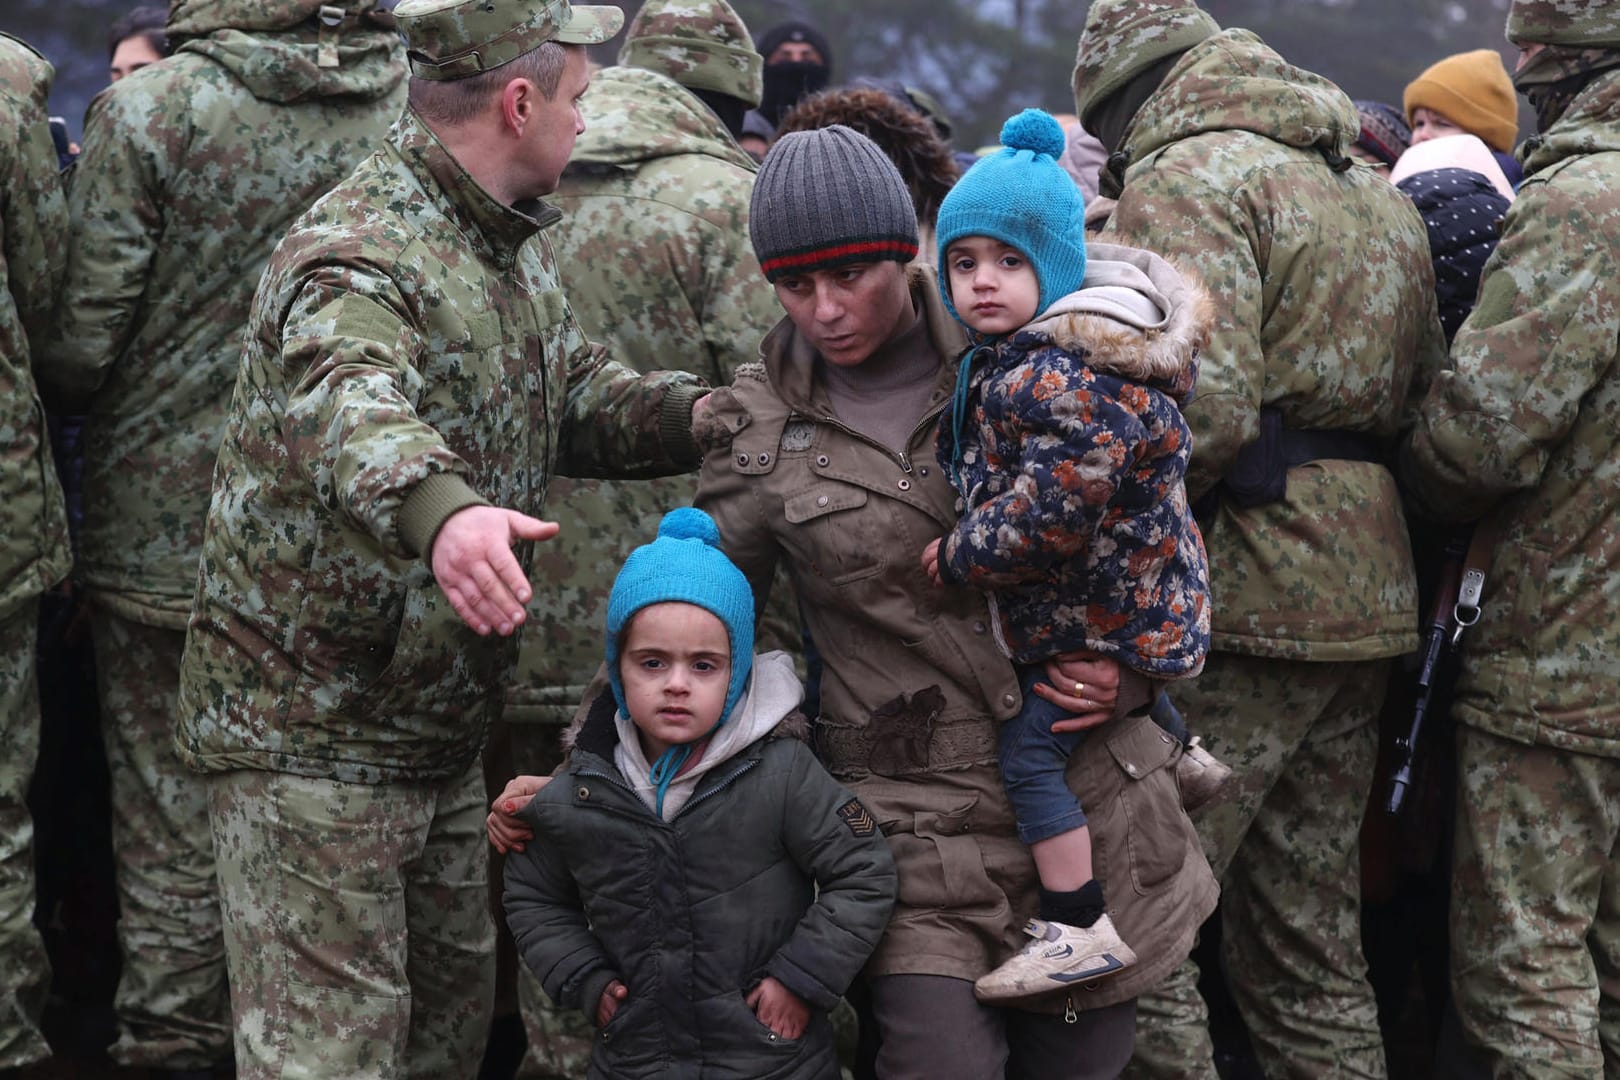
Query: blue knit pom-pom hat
{"points": [[1021, 196], [683, 565]]}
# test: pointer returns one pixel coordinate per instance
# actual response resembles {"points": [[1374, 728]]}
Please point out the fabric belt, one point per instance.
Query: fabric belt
{"points": [[1260, 473]]}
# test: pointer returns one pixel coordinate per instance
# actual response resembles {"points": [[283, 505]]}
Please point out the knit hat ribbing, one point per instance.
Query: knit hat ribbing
{"points": [[1021, 196], [1474, 91], [701, 44], [1123, 38], [684, 565], [1383, 131], [827, 198]]}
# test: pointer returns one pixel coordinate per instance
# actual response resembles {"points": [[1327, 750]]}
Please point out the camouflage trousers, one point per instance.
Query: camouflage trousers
{"points": [[560, 1040], [173, 1004], [1535, 907], [1301, 741], [25, 975], [357, 925]]}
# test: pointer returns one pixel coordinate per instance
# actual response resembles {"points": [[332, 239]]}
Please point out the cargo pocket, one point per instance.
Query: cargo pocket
{"points": [[1149, 803], [836, 538], [937, 854]]}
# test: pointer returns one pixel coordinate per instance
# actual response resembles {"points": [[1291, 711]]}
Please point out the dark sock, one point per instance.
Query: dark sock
{"points": [[1079, 907]]}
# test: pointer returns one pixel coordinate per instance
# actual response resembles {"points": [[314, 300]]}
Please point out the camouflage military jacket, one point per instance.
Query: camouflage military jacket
{"points": [[34, 553], [1236, 168], [654, 251], [192, 170], [1521, 427], [409, 333]]}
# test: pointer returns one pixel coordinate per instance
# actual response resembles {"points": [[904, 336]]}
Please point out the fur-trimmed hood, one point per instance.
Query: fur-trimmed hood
{"points": [[1136, 316]]}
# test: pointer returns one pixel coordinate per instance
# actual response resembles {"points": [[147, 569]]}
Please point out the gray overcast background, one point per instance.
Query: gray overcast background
{"points": [[983, 60]]}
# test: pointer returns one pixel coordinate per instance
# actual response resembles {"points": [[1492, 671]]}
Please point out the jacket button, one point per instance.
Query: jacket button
{"points": [[764, 459], [905, 485], [742, 459], [822, 460], [923, 470], [821, 500], [1129, 768], [979, 627], [1008, 701], [583, 793]]}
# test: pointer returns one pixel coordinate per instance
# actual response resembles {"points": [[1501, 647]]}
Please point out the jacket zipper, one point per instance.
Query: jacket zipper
{"points": [[901, 457]]}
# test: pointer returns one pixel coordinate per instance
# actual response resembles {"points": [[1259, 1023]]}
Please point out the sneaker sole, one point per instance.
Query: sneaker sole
{"points": [[1111, 964]]}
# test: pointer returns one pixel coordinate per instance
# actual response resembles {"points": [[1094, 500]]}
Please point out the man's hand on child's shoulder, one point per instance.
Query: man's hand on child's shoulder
{"points": [[612, 996], [779, 1008], [506, 832]]}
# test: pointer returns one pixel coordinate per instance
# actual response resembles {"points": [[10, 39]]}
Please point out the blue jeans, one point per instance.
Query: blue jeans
{"points": [[1034, 759]]}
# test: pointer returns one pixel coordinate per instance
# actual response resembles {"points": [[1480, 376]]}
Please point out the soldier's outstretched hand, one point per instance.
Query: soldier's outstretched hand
{"points": [[473, 563]]}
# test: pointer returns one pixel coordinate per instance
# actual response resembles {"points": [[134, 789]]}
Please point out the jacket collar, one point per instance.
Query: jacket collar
{"points": [[790, 360], [498, 231]]}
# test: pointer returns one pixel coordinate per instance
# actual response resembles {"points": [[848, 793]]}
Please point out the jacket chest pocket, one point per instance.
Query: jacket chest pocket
{"points": [[835, 533]]}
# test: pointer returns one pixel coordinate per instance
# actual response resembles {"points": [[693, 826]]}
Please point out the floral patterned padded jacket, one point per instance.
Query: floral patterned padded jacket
{"points": [[1070, 453]]}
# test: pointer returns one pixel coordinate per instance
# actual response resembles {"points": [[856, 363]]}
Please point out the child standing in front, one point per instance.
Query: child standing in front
{"points": [[1068, 447], [697, 883]]}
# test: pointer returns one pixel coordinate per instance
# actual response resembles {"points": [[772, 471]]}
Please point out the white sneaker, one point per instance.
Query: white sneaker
{"points": [[1061, 955]]}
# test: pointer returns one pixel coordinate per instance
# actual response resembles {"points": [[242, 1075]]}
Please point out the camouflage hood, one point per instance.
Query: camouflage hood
{"points": [[633, 116], [288, 50], [1235, 82], [1590, 125]]}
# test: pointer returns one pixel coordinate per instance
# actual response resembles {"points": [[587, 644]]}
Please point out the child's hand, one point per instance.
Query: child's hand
{"points": [[930, 562], [506, 832], [779, 1008], [609, 1003]]}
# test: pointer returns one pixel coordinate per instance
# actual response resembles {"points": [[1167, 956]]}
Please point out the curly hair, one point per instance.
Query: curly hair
{"points": [[904, 134]]}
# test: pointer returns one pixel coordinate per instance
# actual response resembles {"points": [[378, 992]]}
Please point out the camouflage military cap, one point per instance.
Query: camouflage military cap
{"points": [[701, 44], [1123, 38], [452, 39], [1584, 24]]}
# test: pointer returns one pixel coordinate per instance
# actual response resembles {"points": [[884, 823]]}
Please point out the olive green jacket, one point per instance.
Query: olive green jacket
{"points": [[915, 687]]}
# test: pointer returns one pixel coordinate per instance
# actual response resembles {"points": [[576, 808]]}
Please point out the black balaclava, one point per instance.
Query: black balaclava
{"points": [[1114, 113], [786, 84], [729, 109]]}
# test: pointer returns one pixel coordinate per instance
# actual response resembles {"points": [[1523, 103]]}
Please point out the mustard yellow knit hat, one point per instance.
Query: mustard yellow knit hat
{"points": [[1474, 91]]}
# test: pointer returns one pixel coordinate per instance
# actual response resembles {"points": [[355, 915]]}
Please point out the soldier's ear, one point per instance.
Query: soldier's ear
{"points": [[518, 99]]}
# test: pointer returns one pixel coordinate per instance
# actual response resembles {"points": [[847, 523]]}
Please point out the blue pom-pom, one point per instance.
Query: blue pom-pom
{"points": [[689, 523], [1034, 130]]}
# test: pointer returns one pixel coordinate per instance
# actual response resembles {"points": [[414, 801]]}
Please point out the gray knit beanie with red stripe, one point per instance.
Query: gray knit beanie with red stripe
{"points": [[826, 198]]}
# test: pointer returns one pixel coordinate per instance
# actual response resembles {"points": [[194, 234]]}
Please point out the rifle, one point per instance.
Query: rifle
{"points": [[1448, 618]]}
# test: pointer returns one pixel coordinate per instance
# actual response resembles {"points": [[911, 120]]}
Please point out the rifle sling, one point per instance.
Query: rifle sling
{"points": [[1481, 546]]}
